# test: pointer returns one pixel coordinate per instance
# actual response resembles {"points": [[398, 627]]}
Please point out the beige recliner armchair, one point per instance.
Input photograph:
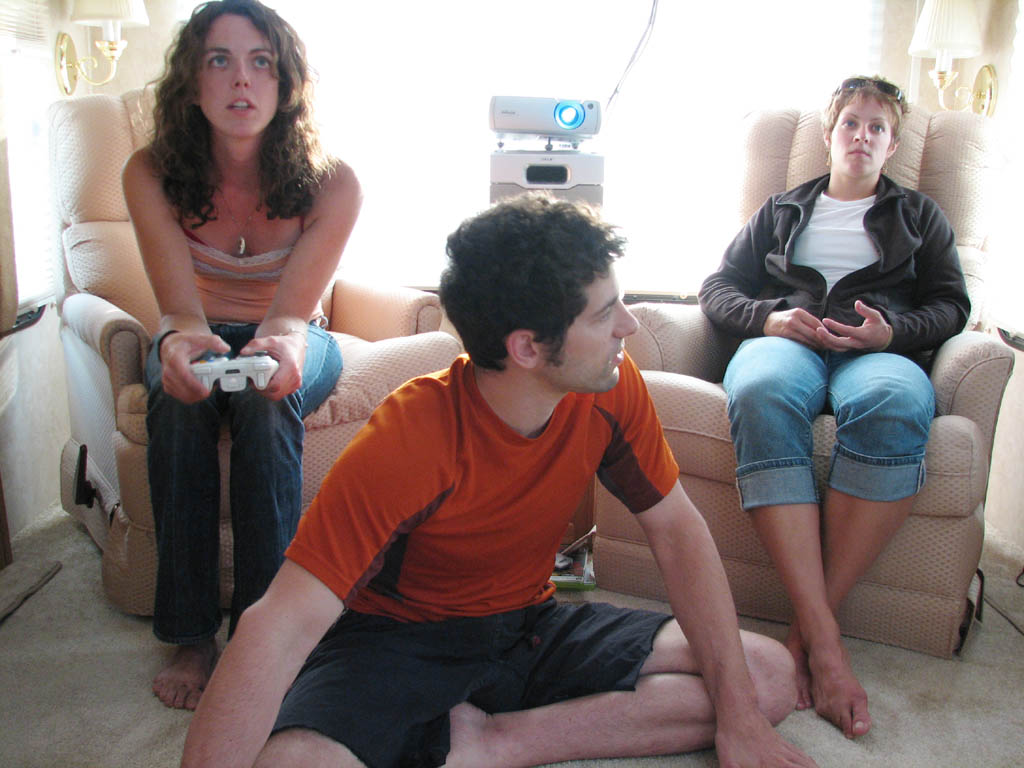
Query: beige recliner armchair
{"points": [[386, 334], [915, 595]]}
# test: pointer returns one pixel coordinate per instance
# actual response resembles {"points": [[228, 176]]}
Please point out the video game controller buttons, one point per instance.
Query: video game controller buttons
{"points": [[234, 374]]}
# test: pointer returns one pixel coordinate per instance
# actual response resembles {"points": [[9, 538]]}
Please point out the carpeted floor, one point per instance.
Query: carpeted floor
{"points": [[75, 676]]}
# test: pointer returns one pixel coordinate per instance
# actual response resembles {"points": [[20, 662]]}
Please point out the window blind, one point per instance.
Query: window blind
{"points": [[23, 22]]}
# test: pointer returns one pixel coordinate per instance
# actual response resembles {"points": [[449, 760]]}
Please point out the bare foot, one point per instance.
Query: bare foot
{"points": [[180, 684], [795, 644], [838, 696]]}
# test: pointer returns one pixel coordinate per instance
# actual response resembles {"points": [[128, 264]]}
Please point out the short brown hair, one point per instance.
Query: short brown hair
{"points": [[859, 87]]}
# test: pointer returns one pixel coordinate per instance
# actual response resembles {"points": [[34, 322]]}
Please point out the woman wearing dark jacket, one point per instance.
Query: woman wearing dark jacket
{"points": [[842, 288]]}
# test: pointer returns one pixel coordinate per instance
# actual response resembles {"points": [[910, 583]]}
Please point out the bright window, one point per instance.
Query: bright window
{"points": [[27, 87], [404, 89]]}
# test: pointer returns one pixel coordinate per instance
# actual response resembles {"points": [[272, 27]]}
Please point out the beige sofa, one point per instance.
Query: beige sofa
{"points": [[108, 315], [915, 595]]}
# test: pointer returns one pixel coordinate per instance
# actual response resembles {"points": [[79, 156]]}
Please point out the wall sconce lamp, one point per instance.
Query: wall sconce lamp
{"points": [[110, 16], [947, 30]]}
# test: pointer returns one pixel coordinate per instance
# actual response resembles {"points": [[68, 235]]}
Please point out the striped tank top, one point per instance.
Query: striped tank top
{"points": [[237, 289]]}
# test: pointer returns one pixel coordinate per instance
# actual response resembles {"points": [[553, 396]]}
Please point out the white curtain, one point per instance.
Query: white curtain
{"points": [[404, 88]]}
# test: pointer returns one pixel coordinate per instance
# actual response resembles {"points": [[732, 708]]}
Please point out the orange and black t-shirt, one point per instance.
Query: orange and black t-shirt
{"points": [[438, 509]]}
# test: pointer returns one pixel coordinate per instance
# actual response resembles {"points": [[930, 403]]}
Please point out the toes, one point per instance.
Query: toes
{"points": [[804, 699], [167, 693], [180, 685], [847, 710], [191, 699], [861, 718], [177, 697], [181, 696], [845, 723]]}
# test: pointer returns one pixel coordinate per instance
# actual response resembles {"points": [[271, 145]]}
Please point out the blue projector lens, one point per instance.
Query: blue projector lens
{"points": [[569, 115]]}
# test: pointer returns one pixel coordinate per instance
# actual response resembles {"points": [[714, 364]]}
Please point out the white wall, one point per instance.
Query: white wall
{"points": [[34, 426]]}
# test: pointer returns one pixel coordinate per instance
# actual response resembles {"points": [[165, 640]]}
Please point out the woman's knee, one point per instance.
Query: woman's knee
{"points": [[886, 422], [916, 403], [780, 377], [883, 387], [889, 399], [172, 422], [255, 414], [321, 371]]}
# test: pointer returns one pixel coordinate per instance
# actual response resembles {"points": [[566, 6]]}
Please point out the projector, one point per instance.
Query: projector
{"points": [[543, 117]]}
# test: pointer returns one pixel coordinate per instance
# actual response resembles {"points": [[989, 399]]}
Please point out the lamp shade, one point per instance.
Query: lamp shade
{"points": [[947, 27], [93, 13]]}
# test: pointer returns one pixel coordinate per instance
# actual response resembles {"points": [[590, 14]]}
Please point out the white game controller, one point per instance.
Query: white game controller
{"points": [[233, 374]]}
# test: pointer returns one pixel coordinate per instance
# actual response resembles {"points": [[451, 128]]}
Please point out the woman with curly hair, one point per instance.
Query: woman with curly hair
{"points": [[241, 222]]}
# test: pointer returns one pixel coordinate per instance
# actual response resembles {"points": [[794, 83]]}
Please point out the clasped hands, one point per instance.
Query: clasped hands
{"points": [[874, 334], [179, 350]]}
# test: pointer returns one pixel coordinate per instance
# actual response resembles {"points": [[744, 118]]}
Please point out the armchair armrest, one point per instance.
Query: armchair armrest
{"points": [[130, 413], [969, 373], [374, 312], [679, 338], [117, 337]]}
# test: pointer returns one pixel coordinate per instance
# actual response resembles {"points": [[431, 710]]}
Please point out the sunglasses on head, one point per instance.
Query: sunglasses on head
{"points": [[853, 83]]}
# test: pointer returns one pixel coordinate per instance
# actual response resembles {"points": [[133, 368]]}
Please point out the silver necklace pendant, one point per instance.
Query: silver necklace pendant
{"points": [[241, 227]]}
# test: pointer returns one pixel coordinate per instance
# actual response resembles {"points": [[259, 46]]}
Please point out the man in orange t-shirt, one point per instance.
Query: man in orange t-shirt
{"points": [[413, 622]]}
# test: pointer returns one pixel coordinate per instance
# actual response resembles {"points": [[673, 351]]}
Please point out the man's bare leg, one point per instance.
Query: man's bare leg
{"points": [[304, 748], [180, 684], [669, 712], [792, 536]]}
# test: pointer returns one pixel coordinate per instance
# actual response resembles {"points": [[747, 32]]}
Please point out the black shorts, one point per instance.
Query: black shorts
{"points": [[384, 688]]}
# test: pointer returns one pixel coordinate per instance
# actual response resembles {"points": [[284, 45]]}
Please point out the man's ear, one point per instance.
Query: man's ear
{"points": [[523, 349]]}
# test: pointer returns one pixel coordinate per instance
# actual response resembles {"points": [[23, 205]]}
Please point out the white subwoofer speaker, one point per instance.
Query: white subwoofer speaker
{"points": [[566, 174]]}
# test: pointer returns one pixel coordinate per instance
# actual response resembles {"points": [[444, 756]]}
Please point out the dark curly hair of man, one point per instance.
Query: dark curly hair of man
{"points": [[524, 264], [291, 160]]}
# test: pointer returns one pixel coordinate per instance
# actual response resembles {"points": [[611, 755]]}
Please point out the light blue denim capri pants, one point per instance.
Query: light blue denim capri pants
{"points": [[883, 405]]}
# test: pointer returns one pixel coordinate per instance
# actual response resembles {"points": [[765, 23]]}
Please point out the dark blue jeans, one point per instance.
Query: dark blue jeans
{"points": [[265, 487]]}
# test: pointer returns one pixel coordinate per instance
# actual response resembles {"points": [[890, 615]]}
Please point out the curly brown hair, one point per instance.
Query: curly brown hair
{"points": [[524, 263], [291, 160]]}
